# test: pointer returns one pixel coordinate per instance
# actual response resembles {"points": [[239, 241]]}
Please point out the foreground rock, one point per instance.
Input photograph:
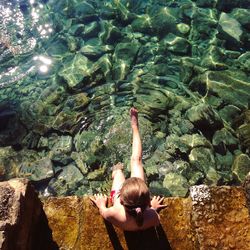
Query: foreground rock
{"points": [[23, 224], [212, 218]]}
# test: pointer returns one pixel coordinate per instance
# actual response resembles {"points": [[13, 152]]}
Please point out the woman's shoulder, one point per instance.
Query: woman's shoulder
{"points": [[151, 217]]}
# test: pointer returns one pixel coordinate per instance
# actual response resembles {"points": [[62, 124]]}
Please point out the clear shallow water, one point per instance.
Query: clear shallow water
{"points": [[70, 71]]}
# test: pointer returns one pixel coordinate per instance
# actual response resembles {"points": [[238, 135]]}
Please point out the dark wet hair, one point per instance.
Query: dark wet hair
{"points": [[135, 197]]}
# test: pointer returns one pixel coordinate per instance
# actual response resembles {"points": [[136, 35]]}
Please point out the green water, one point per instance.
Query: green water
{"points": [[70, 71]]}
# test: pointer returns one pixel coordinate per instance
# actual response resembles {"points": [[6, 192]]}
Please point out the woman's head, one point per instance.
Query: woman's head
{"points": [[135, 197]]}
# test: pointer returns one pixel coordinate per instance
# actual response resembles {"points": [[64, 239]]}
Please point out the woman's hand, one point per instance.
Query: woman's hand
{"points": [[156, 203], [99, 200]]}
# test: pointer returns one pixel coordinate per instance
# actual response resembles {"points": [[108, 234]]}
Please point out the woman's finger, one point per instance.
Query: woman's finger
{"points": [[161, 200]]}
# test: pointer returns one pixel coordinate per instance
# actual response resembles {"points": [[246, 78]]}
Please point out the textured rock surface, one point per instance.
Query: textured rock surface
{"points": [[211, 218], [23, 224]]}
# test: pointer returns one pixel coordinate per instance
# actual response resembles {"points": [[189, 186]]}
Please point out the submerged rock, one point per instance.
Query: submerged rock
{"points": [[176, 184], [75, 70], [241, 167], [37, 171], [230, 27], [69, 180]]}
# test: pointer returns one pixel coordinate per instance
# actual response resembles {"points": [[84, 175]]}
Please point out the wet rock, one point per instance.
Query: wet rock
{"points": [[224, 5], [123, 56], [37, 171], [206, 4], [195, 177], [164, 20], [241, 167], [196, 140], [244, 61], [59, 146], [91, 30], [214, 58], [7, 168], [110, 33], [204, 116], [230, 27], [76, 102], [67, 182], [75, 70], [79, 159], [201, 18], [244, 135], [94, 52], [176, 44], [242, 16], [224, 162], [12, 131], [67, 121], [83, 11], [57, 48], [223, 139], [176, 184], [229, 112], [143, 24], [96, 174], [212, 177], [77, 29], [183, 28], [156, 188], [202, 158]]}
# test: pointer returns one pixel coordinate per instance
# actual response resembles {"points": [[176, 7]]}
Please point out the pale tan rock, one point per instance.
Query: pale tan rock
{"points": [[23, 224]]}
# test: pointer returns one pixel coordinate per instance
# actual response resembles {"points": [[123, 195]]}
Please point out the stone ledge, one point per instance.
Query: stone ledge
{"points": [[219, 220], [211, 218]]}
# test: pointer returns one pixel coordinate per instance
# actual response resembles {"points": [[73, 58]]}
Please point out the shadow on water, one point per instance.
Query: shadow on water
{"points": [[152, 238]]}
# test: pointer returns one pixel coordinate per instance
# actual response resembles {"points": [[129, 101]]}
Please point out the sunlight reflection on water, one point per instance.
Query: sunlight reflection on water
{"points": [[23, 27]]}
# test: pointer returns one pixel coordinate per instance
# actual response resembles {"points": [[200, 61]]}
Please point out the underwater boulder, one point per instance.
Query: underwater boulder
{"points": [[230, 85], [164, 20], [67, 182], [244, 62], [183, 28], [212, 177], [204, 117], [206, 3], [143, 24], [241, 167], [67, 121], [176, 44], [223, 140], [229, 112], [202, 159], [176, 184], [242, 16], [91, 30], [229, 28], [123, 58], [37, 171], [214, 58], [244, 135], [95, 52], [110, 33], [83, 11], [75, 71]]}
